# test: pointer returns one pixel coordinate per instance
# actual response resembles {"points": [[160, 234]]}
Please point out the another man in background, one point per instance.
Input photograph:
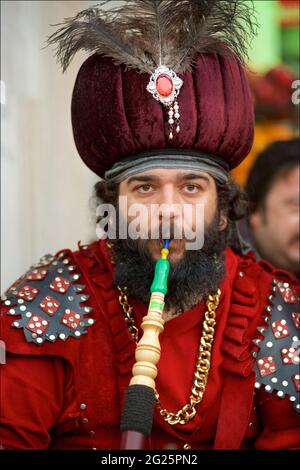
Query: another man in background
{"points": [[273, 191]]}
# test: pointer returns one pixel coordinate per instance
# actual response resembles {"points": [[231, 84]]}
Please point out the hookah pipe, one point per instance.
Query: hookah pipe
{"points": [[137, 417]]}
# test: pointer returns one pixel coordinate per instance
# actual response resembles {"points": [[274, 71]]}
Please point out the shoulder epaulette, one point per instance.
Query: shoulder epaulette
{"points": [[49, 301], [277, 361]]}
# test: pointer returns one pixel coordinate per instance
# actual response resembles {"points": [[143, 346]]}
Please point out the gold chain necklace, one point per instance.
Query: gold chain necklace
{"points": [[188, 411]]}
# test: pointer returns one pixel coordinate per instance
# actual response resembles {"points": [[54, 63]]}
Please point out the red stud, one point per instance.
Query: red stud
{"points": [[60, 284], [37, 324], [266, 366], [28, 292], [290, 356], [71, 319], [296, 380], [288, 295], [49, 305], [164, 85], [280, 329]]}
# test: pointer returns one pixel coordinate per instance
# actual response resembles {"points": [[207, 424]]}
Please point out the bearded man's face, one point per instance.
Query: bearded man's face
{"points": [[194, 272]]}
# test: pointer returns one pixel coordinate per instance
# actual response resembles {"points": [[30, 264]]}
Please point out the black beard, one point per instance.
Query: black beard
{"points": [[191, 279]]}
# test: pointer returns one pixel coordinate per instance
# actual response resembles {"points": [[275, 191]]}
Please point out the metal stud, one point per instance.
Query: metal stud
{"points": [[39, 340], [52, 337], [76, 276], [186, 447], [83, 406], [268, 388], [85, 420], [62, 336], [268, 308], [257, 385], [16, 324], [285, 383], [286, 285], [7, 302], [79, 288], [12, 311], [280, 393], [269, 344], [91, 321], [292, 398], [77, 333], [241, 274], [88, 309]]}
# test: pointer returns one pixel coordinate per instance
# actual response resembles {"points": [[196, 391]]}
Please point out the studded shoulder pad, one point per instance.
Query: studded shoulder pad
{"points": [[49, 301], [277, 361]]}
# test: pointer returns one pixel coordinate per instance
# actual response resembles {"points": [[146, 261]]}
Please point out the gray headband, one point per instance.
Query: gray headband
{"points": [[168, 158]]}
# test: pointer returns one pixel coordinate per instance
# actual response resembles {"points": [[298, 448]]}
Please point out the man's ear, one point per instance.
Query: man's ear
{"points": [[223, 222], [255, 219]]}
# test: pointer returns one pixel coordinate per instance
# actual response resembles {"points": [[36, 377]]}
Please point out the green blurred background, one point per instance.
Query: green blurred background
{"points": [[278, 36], [274, 76]]}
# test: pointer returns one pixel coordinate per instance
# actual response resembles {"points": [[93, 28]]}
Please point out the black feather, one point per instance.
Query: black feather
{"points": [[142, 34]]}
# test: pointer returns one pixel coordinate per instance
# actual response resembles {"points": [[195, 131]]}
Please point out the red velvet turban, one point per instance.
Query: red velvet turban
{"points": [[114, 116]]}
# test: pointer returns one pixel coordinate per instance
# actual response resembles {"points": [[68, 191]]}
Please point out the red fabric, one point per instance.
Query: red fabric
{"points": [[114, 116], [44, 386]]}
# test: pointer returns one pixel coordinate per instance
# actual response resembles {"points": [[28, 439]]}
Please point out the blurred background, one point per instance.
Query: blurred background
{"points": [[45, 188]]}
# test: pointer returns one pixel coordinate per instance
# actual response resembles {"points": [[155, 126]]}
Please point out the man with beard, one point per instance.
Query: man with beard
{"points": [[273, 191], [161, 112]]}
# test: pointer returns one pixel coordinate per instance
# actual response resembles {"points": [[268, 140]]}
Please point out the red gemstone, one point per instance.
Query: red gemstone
{"points": [[164, 85]]}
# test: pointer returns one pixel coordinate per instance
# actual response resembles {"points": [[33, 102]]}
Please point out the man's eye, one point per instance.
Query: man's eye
{"points": [[191, 188], [146, 188]]}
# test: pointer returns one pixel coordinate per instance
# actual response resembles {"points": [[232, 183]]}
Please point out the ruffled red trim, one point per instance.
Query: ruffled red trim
{"points": [[237, 345], [102, 281]]}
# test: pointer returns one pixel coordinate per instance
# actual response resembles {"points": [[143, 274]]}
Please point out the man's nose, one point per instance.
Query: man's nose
{"points": [[169, 201]]}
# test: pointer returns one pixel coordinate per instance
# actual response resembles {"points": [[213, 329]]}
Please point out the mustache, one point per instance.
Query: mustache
{"points": [[172, 230], [140, 246]]}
